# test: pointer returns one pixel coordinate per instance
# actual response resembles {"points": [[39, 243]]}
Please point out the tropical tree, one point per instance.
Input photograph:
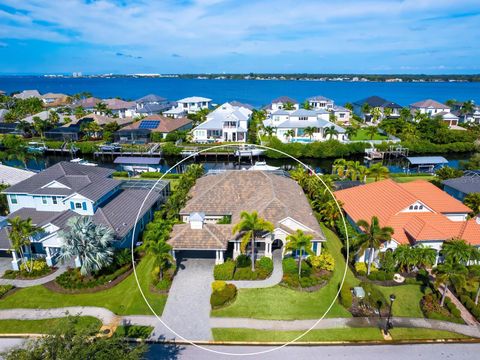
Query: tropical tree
{"points": [[331, 132], [474, 276], [289, 134], [53, 117], [332, 117], [372, 236], [404, 257], [101, 108], [306, 105], [269, 130], [468, 107], [448, 172], [349, 106], [41, 125], [250, 226], [387, 112], [88, 242], [458, 251], [378, 171], [447, 274], [79, 112], [309, 131], [371, 131], [472, 200], [302, 243], [424, 256], [288, 106], [160, 250], [351, 131], [24, 127], [355, 170], [328, 211], [20, 233], [340, 167], [366, 109], [405, 114]]}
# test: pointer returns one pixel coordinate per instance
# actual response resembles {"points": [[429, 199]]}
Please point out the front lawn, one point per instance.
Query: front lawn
{"points": [[133, 331], [281, 303], [122, 299], [345, 334], [363, 135], [407, 299], [47, 325]]}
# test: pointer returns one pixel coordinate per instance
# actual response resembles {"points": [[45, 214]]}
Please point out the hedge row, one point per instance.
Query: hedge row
{"points": [[223, 297], [470, 305]]}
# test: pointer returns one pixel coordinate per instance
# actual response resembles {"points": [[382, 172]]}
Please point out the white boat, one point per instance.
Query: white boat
{"points": [[249, 150], [82, 162], [36, 147], [262, 166]]}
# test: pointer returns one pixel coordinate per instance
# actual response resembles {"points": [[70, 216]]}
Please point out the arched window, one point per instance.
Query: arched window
{"points": [[415, 207], [411, 207], [420, 207]]}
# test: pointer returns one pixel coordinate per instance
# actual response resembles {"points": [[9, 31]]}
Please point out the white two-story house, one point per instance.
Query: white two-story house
{"points": [[188, 105], [64, 190], [226, 123], [323, 103], [284, 122], [280, 103], [434, 108]]}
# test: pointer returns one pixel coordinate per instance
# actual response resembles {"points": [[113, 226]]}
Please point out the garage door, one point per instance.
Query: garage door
{"points": [[4, 253], [196, 254]]}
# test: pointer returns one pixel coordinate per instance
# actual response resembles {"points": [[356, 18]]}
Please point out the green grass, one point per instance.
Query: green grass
{"points": [[134, 331], [45, 326], [407, 300], [346, 334], [362, 135], [407, 178], [281, 303], [123, 299]]}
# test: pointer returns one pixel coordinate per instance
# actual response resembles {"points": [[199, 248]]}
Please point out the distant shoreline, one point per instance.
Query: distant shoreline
{"points": [[280, 77]]}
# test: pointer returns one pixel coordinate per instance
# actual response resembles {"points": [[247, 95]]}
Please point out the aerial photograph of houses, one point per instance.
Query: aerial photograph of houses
{"points": [[215, 179]]}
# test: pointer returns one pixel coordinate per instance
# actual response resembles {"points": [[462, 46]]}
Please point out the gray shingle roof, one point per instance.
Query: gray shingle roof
{"points": [[377, 101], [319, 98], [150, 98], [120, 213], [465, 184], [91, 182], [137, 160]]}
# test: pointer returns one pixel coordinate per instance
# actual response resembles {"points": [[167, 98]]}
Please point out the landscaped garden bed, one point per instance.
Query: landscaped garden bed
{"points": [[161, 284], [240, 269], [314, 274], [432, 308], [5, 289], [133, 331], [223, 294], [30, 270]]}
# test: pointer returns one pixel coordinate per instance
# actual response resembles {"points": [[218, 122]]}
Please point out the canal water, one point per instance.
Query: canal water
{"points": [[211, 163]]}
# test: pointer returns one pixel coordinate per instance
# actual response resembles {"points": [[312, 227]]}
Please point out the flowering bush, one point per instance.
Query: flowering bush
{"points": [[361, 268], [325, 261]]}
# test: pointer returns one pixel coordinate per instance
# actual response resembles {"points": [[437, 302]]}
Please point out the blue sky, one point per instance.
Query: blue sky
{"points": [[166, 36]]}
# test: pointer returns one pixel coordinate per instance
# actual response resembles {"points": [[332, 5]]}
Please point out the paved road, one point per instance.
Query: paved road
{"points": [[390, 352], [104, 315], [187, 310], [5, 264], [272, 280]]}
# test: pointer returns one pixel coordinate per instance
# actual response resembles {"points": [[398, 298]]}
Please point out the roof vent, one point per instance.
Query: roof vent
{"points": [[196, 220]]}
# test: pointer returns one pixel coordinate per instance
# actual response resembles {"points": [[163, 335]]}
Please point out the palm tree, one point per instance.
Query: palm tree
{"points": [[404, 257], [79, 112], [472, 200], [250, 226], [424, 256], [457, 251], [447, 274], [160, 250], [355, 169], [330, 131], [366, 109], [88, 242], [20, 234], [339, 167], [351, 131], [468, 107], [372, 237], [40, 125], [405, 114], [474, 276], [378, 171], [53, 117], [269, 130], [309, 131], [288, 106], [349, 106], [299, 242], [328, 211], [371, 131], [332, 118], [25, 127], [306, 105], [101, 108], [289, 134], [387, 112]]}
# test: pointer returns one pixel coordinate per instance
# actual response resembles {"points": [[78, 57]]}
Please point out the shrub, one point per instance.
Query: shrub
{"points": [[266, 264], [289, 266], [476, 312], [169, 149], [346, 296], [245, 273], [325, 261], [4, 289], [163, 284], [306, 282], [373, 295], [218, 285], [120, 173], [224, 297], [306, 270], [243, 261], [151, 175], [361, 267], [38, 268], [224, 271]]}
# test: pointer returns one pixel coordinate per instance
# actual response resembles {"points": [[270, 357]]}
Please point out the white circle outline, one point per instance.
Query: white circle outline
{"points": [[267, 350]]}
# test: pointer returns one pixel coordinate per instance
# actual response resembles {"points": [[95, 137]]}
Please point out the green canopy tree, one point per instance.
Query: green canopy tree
{"points": [[160, 250], [473, 202], [20, 234], [301, 242], [288, 106], [331, 131], [371, 237], [447, 274], [249, 227], [458, 251], [378, 171], [371, 131]]}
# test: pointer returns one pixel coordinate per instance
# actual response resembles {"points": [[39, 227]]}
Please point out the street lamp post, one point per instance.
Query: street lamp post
{"points": [[388, 324]]}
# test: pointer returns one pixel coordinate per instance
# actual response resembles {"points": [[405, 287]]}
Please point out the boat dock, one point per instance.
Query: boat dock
{"points": [[154, 150], [394, 151]]}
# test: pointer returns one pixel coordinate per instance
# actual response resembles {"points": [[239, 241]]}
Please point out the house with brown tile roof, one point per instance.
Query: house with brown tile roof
{"points": [[140, 131], [418, 211], [277, 199]]}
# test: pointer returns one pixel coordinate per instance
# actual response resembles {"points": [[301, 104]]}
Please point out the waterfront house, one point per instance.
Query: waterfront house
{"points": [[64, 190], [285, 121], [188, 105], [152, 104], [45, 115], [27, 94], [121, 108], [433, 109], [88, 104], [10, 175], [141, 131], [53, 99], [224, 195], [226, 123], [460, 187], [279, 104], [320, 102], [379, 103], [418, 211]]}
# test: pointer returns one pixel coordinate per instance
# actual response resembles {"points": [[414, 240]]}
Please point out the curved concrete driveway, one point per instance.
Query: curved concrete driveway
{"points": [[43, 280], [272, 280]]}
